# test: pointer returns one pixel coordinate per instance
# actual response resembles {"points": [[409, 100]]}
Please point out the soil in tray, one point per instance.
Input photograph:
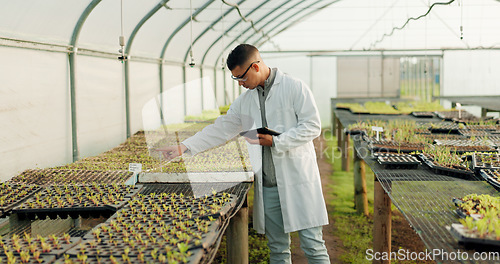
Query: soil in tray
{"points": [[391, 146], [485, 160]]}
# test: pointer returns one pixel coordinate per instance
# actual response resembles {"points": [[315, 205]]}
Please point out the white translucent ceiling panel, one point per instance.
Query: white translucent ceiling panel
{"points": [[154, 33], [241, 31], [284, 17], [50, 21], [361, 25], [180, 43], [209, 22], [215, 43], [103, 27]]}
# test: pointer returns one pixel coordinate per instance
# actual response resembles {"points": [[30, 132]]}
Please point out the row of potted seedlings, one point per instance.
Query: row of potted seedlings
{"points": [[153, 228], [75, 200], [34, 249], [13, 194], [480, 220], [156, 228], [70, 176]]}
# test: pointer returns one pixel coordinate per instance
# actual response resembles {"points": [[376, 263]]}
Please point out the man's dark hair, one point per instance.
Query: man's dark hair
{"points": [[239, 55]]}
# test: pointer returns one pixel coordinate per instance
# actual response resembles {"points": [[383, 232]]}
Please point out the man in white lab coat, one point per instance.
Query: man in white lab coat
{"points": [[288, 195]]}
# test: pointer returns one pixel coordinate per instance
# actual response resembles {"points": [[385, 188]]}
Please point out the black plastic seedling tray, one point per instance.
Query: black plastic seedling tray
{"points": [[77, 208], [478, 161], [457, 173], [490, 176], [395, 161], [43, 259], [423, 114], [465, 237], [196, 256], [5, 209], [24, 246]]}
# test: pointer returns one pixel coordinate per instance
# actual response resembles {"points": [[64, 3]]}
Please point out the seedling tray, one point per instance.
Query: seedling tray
{"points": [[43, 259], [64, 246], [479, 161], [492, 177], [75, 212], [457, 173], [99, 244], [394, 161], [12, 195], [389, 146], [423, 114], [462, 213], [76, 200], [465, 236], [196, 256]]}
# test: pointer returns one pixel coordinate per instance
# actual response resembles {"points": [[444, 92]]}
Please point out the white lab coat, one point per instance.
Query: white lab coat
{"points": [[291, 110]]}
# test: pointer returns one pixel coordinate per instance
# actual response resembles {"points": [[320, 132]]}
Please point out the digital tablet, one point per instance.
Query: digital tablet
{"points": [[263, 130]]}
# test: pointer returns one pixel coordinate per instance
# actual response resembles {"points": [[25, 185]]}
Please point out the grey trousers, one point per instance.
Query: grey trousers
{"points": [[311, 239]]}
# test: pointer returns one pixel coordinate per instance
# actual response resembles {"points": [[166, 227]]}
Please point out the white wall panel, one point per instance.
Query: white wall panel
{"points": [[209, 101], [471, 73], [34, 111], [193, 91], [100, 101], [144, 85], [219, 84], [323, 78], [173, 94]]}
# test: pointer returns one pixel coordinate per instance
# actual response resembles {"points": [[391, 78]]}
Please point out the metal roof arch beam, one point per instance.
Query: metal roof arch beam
{"points": [[228, 30], [72, 75], [247, 29], [128, 47], [299, 19]]}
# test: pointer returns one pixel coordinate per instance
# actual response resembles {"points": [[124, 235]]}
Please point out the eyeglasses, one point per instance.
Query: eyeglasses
{"points": [[241, 77]]}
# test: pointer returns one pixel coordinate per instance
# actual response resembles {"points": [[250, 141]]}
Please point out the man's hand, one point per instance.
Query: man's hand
{"points": [[262, 139], [172, 152]]}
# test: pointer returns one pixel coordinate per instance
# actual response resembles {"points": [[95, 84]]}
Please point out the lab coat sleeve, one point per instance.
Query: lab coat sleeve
{"points": [[223, 129], [308, 124]]}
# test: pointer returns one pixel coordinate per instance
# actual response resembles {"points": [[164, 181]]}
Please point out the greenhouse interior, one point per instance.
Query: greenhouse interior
{"points": [[130, 134]]}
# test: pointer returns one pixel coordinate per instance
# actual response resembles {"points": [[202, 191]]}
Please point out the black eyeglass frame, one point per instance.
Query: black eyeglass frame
{"points": [[240, 78]]}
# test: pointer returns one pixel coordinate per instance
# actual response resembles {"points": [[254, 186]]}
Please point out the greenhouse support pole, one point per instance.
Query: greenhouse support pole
{"points": [[201, 88], [126, 70], [237, 236], [72, 75], [215, 85], [345, 151], [128, 47], [360, 190], [184, 88], [381, 223]]}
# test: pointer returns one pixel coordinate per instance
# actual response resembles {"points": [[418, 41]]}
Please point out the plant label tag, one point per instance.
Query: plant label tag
{"points": [[378, 130], [135, 167]]}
